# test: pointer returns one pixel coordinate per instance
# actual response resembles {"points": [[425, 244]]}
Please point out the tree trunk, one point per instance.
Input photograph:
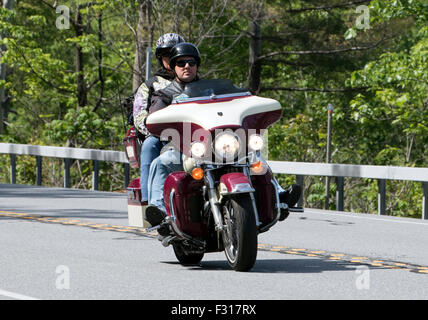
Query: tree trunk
{"points": [[4, 100], [82, 95], [144, 39], [255, 48], [100, 62]]}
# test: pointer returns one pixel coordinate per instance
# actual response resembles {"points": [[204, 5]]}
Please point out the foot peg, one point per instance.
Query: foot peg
{"points": [[166, 241]]}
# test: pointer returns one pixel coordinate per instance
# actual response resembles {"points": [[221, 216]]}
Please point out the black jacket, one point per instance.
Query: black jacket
{"points": [[163, 98]]}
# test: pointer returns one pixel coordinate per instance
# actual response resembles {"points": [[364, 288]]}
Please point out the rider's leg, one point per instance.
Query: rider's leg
{"points": [[168, 162], [150, 150]]}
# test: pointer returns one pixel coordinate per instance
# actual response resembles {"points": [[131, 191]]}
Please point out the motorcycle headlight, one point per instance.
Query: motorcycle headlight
{"points": [[256, 142], [197, 149], [226, 145]]}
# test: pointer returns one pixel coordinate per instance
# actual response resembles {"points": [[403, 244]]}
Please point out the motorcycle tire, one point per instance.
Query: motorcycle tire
{"points": [[184, 257], [240, 233]]}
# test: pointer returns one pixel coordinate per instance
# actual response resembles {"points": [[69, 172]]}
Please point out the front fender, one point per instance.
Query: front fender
{"points": [[233, 183]]}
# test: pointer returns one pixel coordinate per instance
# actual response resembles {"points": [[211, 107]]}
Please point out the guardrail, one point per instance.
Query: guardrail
{"points": [[64, 153], [299, 169]]}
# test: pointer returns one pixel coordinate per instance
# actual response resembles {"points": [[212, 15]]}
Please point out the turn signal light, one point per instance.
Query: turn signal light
{"points": [[257, 167], [197, 173]]}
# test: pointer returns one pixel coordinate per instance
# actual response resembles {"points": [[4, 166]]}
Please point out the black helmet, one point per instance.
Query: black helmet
{"points": [[166, 42], [184, 49]]}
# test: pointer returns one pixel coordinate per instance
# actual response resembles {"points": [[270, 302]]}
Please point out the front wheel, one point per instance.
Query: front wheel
{"points": [[240, 232]]}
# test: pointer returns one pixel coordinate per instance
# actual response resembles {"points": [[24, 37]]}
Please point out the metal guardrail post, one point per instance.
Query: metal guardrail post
{"points": [[66, 173], [425, 201], [39, 170], [13, 168], [330, 109], [300, 181], [381, 197], [95, 174], [339, 193], [126, 169]]}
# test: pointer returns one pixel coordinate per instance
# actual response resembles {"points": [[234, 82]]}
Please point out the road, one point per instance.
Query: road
{"points": [[72, 244]]}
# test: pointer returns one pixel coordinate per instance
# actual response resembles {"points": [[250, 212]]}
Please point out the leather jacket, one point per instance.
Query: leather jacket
{"points": [[163, 98]]}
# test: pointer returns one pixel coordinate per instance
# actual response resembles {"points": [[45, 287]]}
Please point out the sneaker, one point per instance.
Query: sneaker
{"points": [[154, 215], [291, 196]]}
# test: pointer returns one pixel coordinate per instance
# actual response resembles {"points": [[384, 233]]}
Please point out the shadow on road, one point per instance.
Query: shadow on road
{"points": [[294, 265]]}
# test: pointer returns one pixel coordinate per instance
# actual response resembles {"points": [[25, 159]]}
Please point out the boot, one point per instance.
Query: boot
{"points": [[154, 215], [290, 196]]}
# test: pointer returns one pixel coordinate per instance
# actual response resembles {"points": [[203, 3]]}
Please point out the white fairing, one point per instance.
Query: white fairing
{"points": [[214, 114]]}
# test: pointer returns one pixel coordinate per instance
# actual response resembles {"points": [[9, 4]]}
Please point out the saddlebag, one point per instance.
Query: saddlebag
{"points": [[187, 203], [132, 148], [136, 210]]}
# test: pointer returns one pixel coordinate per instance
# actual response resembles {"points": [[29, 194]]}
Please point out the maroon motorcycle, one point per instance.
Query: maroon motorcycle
{"points": [[226, 194]]}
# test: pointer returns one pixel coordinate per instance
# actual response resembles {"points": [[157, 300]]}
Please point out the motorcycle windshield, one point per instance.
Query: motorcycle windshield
{"points": [[226, 107], [210, 89]]}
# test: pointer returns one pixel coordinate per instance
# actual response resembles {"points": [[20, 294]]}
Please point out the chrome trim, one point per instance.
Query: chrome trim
{"points": [[239, 188], [213, 202], [167, 241], [256, 213], [253, 198], [278, 208], [173, 220], [212, 97]]}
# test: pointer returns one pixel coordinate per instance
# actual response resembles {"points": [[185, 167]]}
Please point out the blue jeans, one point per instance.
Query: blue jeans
{"points": [[150, 150], [168, 162]]}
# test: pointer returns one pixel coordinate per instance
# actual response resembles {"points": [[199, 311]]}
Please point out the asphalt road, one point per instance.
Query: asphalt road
{"points": [[73, 244]]}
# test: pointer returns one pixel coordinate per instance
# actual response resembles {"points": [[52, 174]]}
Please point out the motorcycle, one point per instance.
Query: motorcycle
{"points": [[227, 194]]}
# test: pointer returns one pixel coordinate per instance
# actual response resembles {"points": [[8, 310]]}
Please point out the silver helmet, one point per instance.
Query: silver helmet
{"points": [[166, 42]]}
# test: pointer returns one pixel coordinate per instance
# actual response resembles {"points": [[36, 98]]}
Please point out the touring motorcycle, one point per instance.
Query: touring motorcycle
{"points": [[226, 194]]}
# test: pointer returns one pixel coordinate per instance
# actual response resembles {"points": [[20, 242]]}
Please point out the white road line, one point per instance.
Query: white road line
{"points": [[368, 216], [14, 295]]}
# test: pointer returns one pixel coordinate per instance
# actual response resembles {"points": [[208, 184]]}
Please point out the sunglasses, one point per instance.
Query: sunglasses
{"points": [[182, 63]]}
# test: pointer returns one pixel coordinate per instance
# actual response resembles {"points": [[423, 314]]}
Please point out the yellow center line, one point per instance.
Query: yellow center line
{"points": [[267, 247]]}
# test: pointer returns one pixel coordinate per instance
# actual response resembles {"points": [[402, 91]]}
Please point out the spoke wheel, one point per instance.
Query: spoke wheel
{"points": [[240, 233]]}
